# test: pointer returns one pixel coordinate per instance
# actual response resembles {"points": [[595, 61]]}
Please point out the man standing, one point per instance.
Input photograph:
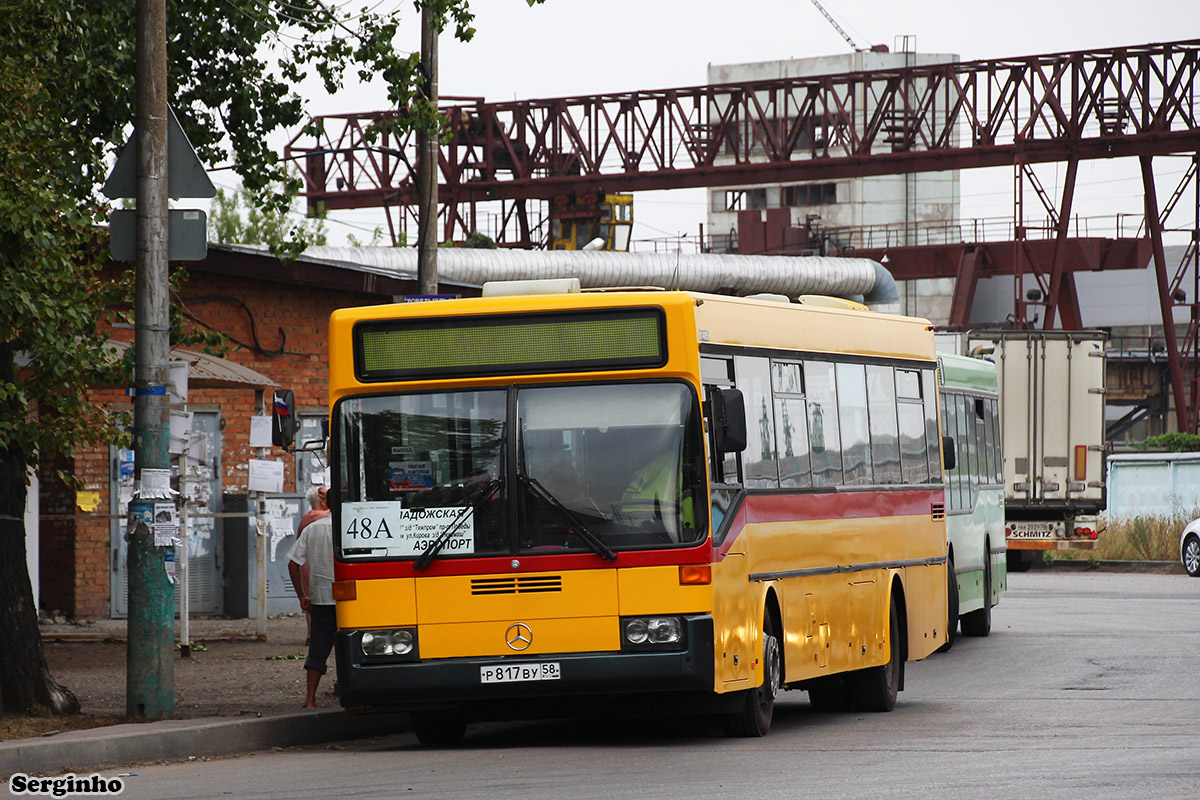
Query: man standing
{"points": [[318, 507], [314, 548]]}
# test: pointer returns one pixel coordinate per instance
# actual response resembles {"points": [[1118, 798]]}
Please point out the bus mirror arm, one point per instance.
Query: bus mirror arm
{"points": [[728, 409], [949, 459]]}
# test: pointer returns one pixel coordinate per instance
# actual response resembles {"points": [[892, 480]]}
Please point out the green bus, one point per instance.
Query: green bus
{"points": [[974, 492]]}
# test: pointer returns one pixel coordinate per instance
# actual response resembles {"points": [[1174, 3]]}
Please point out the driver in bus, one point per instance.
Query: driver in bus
{"points": [[659, 481]]}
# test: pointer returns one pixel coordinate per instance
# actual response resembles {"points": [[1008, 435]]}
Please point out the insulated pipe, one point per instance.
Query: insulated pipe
{"points": [[705, 272]]}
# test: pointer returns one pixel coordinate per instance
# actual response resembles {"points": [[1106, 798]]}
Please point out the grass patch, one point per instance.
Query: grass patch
{"points": [[1140, 538]]}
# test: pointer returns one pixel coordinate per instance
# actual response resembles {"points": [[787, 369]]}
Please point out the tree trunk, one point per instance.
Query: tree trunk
{"points": [[25, 682]]}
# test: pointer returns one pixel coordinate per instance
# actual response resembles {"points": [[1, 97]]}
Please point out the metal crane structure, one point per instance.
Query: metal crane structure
{"points": [[835, 25], [1138, 101]]}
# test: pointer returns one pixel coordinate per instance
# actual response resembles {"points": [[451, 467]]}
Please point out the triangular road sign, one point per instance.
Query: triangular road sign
{"points": [[185, 174]]}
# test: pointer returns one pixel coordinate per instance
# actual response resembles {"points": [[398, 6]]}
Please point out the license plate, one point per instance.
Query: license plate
{"points": [[1036, 530], [511, 673]]}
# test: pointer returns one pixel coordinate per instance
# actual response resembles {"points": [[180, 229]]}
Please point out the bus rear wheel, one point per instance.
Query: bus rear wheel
{"points": [[442, 727], [875, 688], [758, 705]]}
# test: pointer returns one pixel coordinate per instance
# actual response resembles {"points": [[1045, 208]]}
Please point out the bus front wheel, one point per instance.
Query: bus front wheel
{"points": [[758, 705]]}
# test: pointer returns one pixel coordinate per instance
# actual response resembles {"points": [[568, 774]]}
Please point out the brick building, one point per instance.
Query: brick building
{"points": [[275, 316]]}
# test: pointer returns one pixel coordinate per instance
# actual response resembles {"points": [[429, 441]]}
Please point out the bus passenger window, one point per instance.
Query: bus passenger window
{"points": [[953, 476], [933, 442], [823, 433], [852, 408], [914, 458], [759, 466], [885, 434], [791, 425]]}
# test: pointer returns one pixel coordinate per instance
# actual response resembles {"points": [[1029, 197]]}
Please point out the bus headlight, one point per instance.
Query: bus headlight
{"points": [[389, 644], [640, 633]]}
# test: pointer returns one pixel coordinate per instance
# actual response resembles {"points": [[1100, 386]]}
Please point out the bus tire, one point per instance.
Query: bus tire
{"points": [[758, 704], [979, 623], [951, 605], [442, 727], [875, 688]]}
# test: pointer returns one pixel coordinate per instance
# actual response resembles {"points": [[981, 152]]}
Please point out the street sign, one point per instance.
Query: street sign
{"points": [[187, 235], [185, 174]]}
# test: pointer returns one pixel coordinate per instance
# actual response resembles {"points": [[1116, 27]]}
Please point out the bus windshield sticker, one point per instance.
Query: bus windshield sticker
{"points": [[389, 529], [410, 476]]}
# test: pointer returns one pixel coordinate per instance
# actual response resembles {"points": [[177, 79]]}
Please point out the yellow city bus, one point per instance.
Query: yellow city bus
{"points": [[545, 503]]}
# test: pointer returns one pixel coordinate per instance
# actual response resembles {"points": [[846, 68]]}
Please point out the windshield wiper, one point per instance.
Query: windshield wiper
{"points": [[601, 549], [485, 492]]}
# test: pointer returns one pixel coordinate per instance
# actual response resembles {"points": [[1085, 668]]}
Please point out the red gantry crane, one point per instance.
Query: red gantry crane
{"points": [[1137, 101]]}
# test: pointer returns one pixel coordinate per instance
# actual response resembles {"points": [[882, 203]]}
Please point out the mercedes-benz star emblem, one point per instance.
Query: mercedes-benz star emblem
{"points": [[518, 636]]}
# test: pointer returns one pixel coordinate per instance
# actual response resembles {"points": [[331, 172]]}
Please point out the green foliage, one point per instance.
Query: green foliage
{"points": [[1139, 538], [481, 241], [376, 239], [282, 232], [1174, 442], [52, 296], [67, 93]]}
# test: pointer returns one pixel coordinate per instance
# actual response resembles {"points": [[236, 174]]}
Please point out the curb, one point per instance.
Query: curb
{"points": [[173, 740]]}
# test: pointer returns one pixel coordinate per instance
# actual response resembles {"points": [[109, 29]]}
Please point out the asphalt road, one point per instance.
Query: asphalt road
{"points": [[1087, 688]]}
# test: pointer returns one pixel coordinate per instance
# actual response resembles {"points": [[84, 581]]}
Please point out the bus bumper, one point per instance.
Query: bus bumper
{"points": [[426, 684]]}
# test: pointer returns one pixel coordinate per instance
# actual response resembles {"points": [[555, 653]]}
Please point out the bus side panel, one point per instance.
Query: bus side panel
{"points": [[735, 632], [838, 622], [925, 598]]}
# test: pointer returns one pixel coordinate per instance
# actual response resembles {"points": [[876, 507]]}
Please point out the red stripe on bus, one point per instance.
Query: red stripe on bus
{"points": [[529, 562], [756, 508], [760, 508]]}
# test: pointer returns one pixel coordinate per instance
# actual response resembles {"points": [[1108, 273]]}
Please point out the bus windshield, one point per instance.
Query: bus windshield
{"points": [[594, 468]]}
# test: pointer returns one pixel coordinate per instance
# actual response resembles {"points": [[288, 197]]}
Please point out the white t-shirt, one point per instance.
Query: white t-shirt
{"points": [[315, 548]]}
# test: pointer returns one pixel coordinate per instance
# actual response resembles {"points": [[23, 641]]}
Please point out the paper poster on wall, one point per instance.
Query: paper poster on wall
{"points": [[166, 524], [260, 431], [177, 382], [181, 427], [156, 484], [265, 476], [281, 515]]}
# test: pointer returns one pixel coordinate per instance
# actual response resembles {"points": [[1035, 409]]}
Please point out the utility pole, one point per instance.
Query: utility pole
{"points": [[150, 651], [427, 167]]}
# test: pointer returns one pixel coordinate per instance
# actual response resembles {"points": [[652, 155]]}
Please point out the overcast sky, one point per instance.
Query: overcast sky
{"points": [[576, 47]]}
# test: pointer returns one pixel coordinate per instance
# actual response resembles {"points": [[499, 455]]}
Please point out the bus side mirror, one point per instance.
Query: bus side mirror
{"points": [[729, 420], [283, 419], [949, 459]]}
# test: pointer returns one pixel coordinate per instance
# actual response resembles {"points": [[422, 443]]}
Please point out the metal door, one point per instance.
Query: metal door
{"points": [[201, 485]]}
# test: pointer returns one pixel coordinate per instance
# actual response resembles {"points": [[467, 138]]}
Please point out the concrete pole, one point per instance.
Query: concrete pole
{"points": [[150, 651], [427, 167]]}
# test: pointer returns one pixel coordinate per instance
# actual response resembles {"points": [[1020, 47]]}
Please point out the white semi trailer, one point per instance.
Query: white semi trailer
{"points": [[1052, 386]]}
